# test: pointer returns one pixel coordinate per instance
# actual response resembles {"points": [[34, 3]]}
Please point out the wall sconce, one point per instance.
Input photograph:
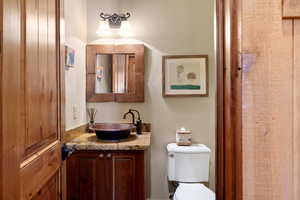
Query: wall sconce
{"points": [[114, 22]]}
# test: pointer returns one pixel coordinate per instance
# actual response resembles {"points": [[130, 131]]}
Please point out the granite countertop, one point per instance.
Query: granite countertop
{"points": [[89, 141]]}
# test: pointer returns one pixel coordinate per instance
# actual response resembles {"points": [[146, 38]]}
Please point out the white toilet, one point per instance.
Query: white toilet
{"points": [[189, 166]]}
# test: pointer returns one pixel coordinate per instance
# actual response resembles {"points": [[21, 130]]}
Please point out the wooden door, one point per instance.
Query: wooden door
{"points": [[270, 98], [30, 100]]}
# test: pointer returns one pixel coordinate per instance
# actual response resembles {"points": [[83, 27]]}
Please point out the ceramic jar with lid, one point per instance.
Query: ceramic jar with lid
{"points": [[183, 137]]}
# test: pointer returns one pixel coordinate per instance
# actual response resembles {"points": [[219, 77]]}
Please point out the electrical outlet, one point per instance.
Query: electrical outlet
{"points": [[75, 112]]}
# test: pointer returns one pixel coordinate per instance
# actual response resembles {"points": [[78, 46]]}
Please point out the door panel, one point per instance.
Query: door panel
{"points": [[50, 191], [87, 169], [36, 172], [52, 74], [128, 175], [33, 87], [41, 72], [82, 176], [40, 150], [291, 9], [123, 177]]}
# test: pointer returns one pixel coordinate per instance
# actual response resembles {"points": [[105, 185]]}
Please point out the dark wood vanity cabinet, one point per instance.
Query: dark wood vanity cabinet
{"points": [[106, 175]]}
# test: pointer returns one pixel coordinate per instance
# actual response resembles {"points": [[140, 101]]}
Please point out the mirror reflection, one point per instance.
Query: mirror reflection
{"points": [[103, 74], [113, 73]]}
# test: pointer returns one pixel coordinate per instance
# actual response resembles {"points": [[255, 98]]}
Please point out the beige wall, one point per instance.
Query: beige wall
{"points": [[166, 27], [76, 36]]}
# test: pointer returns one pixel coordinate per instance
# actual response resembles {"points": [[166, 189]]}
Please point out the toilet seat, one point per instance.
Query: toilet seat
{"points": [[193, 191]]}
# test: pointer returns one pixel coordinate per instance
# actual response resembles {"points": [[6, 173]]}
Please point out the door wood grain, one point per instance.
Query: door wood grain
{"points": [[30, 99], [41, 71], [10, 95], [269, 105], [36, 173], [50, 191], [296, 136]]}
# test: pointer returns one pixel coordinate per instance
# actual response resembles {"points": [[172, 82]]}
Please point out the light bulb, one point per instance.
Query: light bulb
{"points": [[125, 29], [104, 29]]}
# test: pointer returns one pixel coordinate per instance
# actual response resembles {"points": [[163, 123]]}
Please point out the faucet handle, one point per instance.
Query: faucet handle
{"points": [[138, 126]]}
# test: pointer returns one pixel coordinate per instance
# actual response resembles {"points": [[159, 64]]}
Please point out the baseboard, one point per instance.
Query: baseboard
{"points": [[76, 126]]}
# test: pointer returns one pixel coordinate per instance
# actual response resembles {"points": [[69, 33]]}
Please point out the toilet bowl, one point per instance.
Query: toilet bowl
{"points": [[189, 166], [193, 191]]}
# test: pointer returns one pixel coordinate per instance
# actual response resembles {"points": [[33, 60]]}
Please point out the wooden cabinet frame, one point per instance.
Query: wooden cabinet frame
{"points": [[137, 81]]}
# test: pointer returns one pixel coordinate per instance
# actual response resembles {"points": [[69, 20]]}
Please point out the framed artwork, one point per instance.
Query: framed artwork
{"points": [[70, 57], [185, 76]]}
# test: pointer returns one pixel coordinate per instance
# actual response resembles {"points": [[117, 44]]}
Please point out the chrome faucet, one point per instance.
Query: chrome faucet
{"points": [[138, 123]]}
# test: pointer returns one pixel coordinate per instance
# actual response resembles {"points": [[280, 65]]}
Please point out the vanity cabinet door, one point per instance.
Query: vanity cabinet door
{"points": [[106, 175], [128, 175], [82, 176]]}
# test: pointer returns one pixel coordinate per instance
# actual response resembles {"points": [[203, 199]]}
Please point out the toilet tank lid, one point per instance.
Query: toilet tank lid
{"points": [[195, 148]]}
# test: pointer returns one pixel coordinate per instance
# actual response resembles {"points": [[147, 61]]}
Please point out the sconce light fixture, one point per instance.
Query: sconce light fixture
{"points": [[114, 22]]}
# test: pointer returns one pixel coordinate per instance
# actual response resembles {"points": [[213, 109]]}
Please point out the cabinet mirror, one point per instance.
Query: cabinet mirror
{"points": [[115, 73]]}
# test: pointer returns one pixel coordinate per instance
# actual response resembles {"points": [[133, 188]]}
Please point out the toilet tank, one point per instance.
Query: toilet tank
{"points": [[189, 164]]}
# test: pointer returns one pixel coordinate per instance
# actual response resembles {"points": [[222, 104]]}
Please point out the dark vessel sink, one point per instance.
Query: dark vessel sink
{"points": [[113, 131]]}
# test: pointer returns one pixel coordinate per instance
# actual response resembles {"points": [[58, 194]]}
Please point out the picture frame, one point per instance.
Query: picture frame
{"points": [[70, 54], [185, 76]]}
